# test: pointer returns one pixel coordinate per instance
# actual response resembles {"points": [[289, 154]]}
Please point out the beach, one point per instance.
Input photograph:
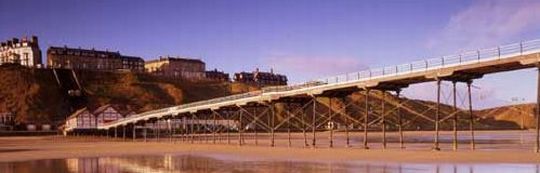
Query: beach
{"points": [[60, 147]]}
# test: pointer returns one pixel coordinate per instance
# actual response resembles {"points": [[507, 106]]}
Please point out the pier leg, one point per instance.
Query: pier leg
{"points": [[158, 130], [192, 130], [115, 132], [537, 146], [273, 114], [154, 130], [400, 120], [331, 114], [347, 140], [366, 115], [383, 120], [134, 132], [437, 115], [471, 115], [240, 129], [124, 133], [228, 130], [184, 129], [304, 128], [169, 130], [255, 126], [145, 131], [214, 128], [454, 93], [288, 127], [314, 123]]}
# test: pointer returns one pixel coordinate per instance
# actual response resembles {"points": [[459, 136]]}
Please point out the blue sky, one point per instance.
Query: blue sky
{"points": [[302, 39]]}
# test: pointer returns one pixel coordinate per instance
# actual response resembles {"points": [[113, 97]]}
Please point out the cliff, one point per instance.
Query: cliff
{"points": [[36, 96]]}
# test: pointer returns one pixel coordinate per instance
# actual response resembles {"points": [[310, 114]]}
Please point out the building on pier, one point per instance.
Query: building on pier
{"points": [[261, 78], [85, 59], [177, 67], [106, 114], [81, 119], [24, 52]]}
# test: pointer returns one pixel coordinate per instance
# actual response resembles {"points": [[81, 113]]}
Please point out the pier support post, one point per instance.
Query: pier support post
{"points": [[383, 120], [154, 130], [240, 129], [228, 129], [314, 123], [437, 115], [400, 119], [288, 126], [145, 131], [273, 114], [124, 133], [471, 115], [366, 121], [192, 128], [158, 129], [214, 123], [455, 138], [347, 137], [134, 135], [537, 146], [304, 127], [255, 126], [331, 115], [115, 132], [170, 129], [184, 129]]}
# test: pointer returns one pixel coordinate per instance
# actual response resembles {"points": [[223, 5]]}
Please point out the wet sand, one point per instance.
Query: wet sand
{"points": [[418, 148]]}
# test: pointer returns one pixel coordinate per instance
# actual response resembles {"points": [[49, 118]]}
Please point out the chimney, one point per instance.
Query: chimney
{"points": [[272, 70], [34, 39], [3, 44], [257, 70], [9, 43], [15, 40]]}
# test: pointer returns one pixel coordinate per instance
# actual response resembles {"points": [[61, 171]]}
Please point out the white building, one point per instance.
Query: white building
{"points": [[24, 52], [81, 119], [106, 114]]}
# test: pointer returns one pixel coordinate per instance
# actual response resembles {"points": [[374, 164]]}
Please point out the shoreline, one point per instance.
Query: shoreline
{"points": [[14, 149]]}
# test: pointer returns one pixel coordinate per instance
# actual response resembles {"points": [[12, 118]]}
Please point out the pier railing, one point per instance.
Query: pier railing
{"points": [[468, 57]]}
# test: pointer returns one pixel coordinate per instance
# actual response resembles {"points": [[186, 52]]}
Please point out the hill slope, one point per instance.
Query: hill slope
{"points": [[35, 95]]}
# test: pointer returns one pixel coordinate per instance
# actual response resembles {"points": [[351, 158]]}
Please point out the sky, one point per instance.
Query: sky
{"points": [[304, 39]]}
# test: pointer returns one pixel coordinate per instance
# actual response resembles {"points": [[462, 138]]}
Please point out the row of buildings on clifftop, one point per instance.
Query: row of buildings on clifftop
{"points": [[26, 52]]}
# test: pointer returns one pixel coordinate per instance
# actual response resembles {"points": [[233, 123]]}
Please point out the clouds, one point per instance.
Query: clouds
{"points": [[305, 67], [483, 24], [486, 23]]}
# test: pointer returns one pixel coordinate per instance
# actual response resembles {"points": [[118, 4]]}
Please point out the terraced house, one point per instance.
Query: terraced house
{"points": [[184, 68], [77, 58], [24, 52]]}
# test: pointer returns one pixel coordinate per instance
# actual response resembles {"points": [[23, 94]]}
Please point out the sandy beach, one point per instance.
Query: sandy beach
{"points": [[57, 147]]}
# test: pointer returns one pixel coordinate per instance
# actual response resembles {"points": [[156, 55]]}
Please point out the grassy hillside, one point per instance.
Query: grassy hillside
{"points": [[522, 114], [34, 95]]}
